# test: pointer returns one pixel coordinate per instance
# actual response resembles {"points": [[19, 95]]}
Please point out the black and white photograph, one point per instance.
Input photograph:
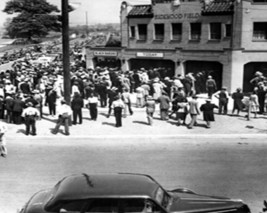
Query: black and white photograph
{"points": [[127, 106]]}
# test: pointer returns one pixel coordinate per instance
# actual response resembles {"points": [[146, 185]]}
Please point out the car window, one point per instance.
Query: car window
{"points": [[103, 205], [122, 205], [72, 206], [132, 205]]}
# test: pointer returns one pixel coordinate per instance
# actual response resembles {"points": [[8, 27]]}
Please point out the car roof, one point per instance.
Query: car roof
{"points": [[84, 186]]}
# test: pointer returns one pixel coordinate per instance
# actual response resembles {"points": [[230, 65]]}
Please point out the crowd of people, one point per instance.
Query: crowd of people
{"points": [[28, 87]]}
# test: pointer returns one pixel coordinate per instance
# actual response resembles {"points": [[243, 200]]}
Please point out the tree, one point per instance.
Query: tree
{"points": [[34, 18]]}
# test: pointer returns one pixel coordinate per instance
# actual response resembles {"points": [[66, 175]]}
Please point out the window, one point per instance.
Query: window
{"points": [[228, 30], [177, 31], [259, 1], [126, 205], [195, 31], [132, 32], [260, 31], [142, 31], [159, 31], [104, 205], [215, 31], [72, 206]]}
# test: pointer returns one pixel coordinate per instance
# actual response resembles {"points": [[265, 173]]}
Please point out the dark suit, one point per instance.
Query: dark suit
{"points": [[76, 106]]}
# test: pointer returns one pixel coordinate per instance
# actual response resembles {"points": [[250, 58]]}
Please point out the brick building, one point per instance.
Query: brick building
{"points": [[223, 38]]}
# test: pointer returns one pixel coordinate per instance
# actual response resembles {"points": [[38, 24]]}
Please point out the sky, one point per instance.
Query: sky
{"points": [[98, 11]]}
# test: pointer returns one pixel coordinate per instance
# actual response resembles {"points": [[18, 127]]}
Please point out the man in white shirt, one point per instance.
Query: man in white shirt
{"points": [[64, 115], [30, 115]]}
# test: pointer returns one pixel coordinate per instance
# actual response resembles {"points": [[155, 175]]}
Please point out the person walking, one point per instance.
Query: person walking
{"points": [[211, 86], [30, 115], [182, 109], [77, 104], [208, 114], [150, 109], [64, 115], [126, 97], [112, 93], [3, 149], [118, 106], [92, 105], [164, 105], [140, 96], [193, 111], [238, 104]]}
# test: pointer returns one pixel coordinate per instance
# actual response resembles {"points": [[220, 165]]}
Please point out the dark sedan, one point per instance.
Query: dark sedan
{"points": [[119, 193]]}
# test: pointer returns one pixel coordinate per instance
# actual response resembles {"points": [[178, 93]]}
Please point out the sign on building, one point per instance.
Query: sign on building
{"points": [[106, 53], [149, 55]]}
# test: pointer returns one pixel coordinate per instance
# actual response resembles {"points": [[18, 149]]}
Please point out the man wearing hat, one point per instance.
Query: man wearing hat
{"points": [[223, 97], [211, 86], [207, 109], [112, 93], [77, 104], [164, 105], [118, 106], [30, 115], [193, 111]]}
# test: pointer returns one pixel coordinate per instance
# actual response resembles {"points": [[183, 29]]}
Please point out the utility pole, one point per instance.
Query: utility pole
{"points": [[86, 22], [65, 48]]}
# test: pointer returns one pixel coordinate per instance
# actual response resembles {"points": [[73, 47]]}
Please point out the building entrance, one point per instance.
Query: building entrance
{"points": [[249, 72], [167, 67], [110, 62], [201, 70]]}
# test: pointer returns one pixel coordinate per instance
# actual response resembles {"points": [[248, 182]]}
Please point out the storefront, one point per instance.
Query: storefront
{"points": [[103, 58], [201, 70], [249, 73]]}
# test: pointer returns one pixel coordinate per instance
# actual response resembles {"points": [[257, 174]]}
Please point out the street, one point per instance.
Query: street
{"points": [[232, 167]]}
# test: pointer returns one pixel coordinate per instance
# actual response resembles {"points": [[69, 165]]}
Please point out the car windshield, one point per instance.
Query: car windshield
{"points": [[162, 197]]}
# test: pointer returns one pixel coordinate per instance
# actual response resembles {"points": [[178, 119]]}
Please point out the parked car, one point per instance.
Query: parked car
{"points": [[125, 192]]}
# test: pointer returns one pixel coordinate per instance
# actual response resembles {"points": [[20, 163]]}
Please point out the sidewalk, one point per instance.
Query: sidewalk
{"points": [[136, 126]]}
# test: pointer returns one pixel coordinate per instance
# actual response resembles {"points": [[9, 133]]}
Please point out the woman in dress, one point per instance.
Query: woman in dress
{"points": [[253, 105]]}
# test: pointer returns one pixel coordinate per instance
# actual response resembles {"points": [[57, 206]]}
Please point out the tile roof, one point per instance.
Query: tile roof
{"points": [[216, 7], [100, 41], [141, 11]]}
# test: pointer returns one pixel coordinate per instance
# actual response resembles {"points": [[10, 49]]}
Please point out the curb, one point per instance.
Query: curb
{"points": [[172, 136]]}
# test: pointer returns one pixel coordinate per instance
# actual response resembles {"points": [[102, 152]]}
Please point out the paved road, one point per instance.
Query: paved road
{"points": [[232, 167]]}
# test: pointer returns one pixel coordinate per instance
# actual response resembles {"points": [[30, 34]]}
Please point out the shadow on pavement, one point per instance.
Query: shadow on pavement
{"points": [[141, 122], [107, 123], [23, 131]]}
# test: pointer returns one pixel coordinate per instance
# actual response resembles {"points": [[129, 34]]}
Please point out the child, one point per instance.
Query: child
{"points": [[253, 105]]}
